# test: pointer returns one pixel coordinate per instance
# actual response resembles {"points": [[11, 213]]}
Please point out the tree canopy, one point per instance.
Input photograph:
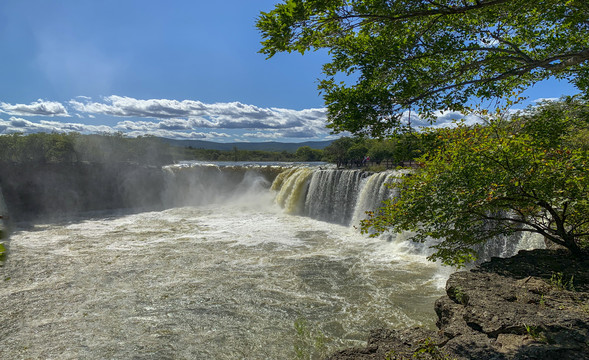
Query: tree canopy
{"points": [[528, 174], [428, 55]]}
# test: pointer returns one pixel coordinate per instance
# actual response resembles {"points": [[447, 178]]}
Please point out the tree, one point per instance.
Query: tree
{"points": [[429, 55], [306, 153], [357, 152], [525, 175], [337, 151], [381, 150]]}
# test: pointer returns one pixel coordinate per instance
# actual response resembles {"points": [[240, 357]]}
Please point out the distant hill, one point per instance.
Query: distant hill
{"points": [[264, 146]]}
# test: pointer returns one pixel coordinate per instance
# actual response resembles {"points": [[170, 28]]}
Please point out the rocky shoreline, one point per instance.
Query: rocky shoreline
{"points": [[534, 305]]}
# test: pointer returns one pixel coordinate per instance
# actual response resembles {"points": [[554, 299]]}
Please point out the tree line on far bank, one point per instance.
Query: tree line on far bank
{"points": [[44, 148], [47, 148]]}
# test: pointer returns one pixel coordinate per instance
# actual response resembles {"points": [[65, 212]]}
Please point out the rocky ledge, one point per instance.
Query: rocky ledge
{"points": [[534, 305]]}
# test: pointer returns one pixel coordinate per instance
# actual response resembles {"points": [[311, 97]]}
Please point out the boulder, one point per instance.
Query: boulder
{"points": [[534, 305]]}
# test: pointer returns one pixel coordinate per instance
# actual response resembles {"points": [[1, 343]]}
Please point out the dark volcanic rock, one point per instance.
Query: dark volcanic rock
{"points": [[534, 305]]}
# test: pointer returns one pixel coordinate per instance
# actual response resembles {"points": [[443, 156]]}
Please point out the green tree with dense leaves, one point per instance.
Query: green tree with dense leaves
{"points": [[529, 174], [357, 152], [306, 153], [41, 148], [381, 150], [429, 55], [337, 151]]}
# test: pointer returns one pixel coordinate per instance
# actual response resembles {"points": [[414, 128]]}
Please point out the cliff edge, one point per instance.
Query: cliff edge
{"points": [[534, 305]]}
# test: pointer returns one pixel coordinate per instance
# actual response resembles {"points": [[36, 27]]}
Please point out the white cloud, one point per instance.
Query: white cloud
{"points": [[15, 124], [541, 100], [442, 119], [195, 114], [262, 135], [36, 108], [190, 118]]}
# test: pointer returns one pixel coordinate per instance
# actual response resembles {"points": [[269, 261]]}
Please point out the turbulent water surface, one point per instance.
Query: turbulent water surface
{"points": [[214, 281]]}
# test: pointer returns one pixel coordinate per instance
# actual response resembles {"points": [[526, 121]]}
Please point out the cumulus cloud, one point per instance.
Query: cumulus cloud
{"points": [[36, 108], [186, 119], [20, 125], [541, 100], [443, 119], [263, 135], [188, 114], [189, 119], [180, 119]]}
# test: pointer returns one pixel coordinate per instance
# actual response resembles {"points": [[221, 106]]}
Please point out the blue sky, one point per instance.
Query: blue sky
{"points": [[180, 69]]}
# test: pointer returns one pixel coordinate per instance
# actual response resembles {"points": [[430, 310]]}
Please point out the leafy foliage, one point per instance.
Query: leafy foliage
{"points": [[428, 55], [484, 181], [306, 153], [398, 148], [309, 343]]}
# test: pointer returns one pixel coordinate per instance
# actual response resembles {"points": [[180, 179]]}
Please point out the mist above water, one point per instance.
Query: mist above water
{"points": [[223, 273], [203, 282]]}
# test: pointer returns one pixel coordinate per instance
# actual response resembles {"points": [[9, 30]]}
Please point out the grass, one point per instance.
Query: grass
{"points": [[460, 295], [536, 333], [557, 281]]}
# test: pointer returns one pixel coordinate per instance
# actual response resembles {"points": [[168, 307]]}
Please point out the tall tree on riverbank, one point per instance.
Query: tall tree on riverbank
{"points": [[429, 55], [529, 174]]}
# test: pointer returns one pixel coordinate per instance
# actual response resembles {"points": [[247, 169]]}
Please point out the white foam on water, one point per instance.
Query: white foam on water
{"points": [[208, 282]]}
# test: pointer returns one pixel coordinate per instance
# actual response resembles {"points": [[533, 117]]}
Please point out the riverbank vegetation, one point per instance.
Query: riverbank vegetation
{"points": [[100, 148], [74, 147], [108, 148], [523, 173]]}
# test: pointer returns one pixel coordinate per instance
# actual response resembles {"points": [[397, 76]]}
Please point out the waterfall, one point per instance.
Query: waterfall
{"points": [[332, 195], [336, 196], [192, 184], [506, 246], [344, 197], [293, 189], [374, 192]]}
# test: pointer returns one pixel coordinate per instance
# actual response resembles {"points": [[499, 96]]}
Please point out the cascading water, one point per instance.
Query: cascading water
{"points": [[193, 184], [374, 192], [223, 273], [332, 195], [293, 188], [344, 197]]}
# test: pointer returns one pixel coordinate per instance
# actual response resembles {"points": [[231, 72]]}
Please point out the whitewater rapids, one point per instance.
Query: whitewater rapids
{"points": [[220, 281]]}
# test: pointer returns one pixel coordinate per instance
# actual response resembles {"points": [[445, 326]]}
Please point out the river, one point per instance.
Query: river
{"points": [[227, 278]]}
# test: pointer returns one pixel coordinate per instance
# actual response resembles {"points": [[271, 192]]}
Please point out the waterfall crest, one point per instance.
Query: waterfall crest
{"points": [[332, 195], [336, 196], [375, 192], [344, 196], [292, 189], [193, 184]]}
